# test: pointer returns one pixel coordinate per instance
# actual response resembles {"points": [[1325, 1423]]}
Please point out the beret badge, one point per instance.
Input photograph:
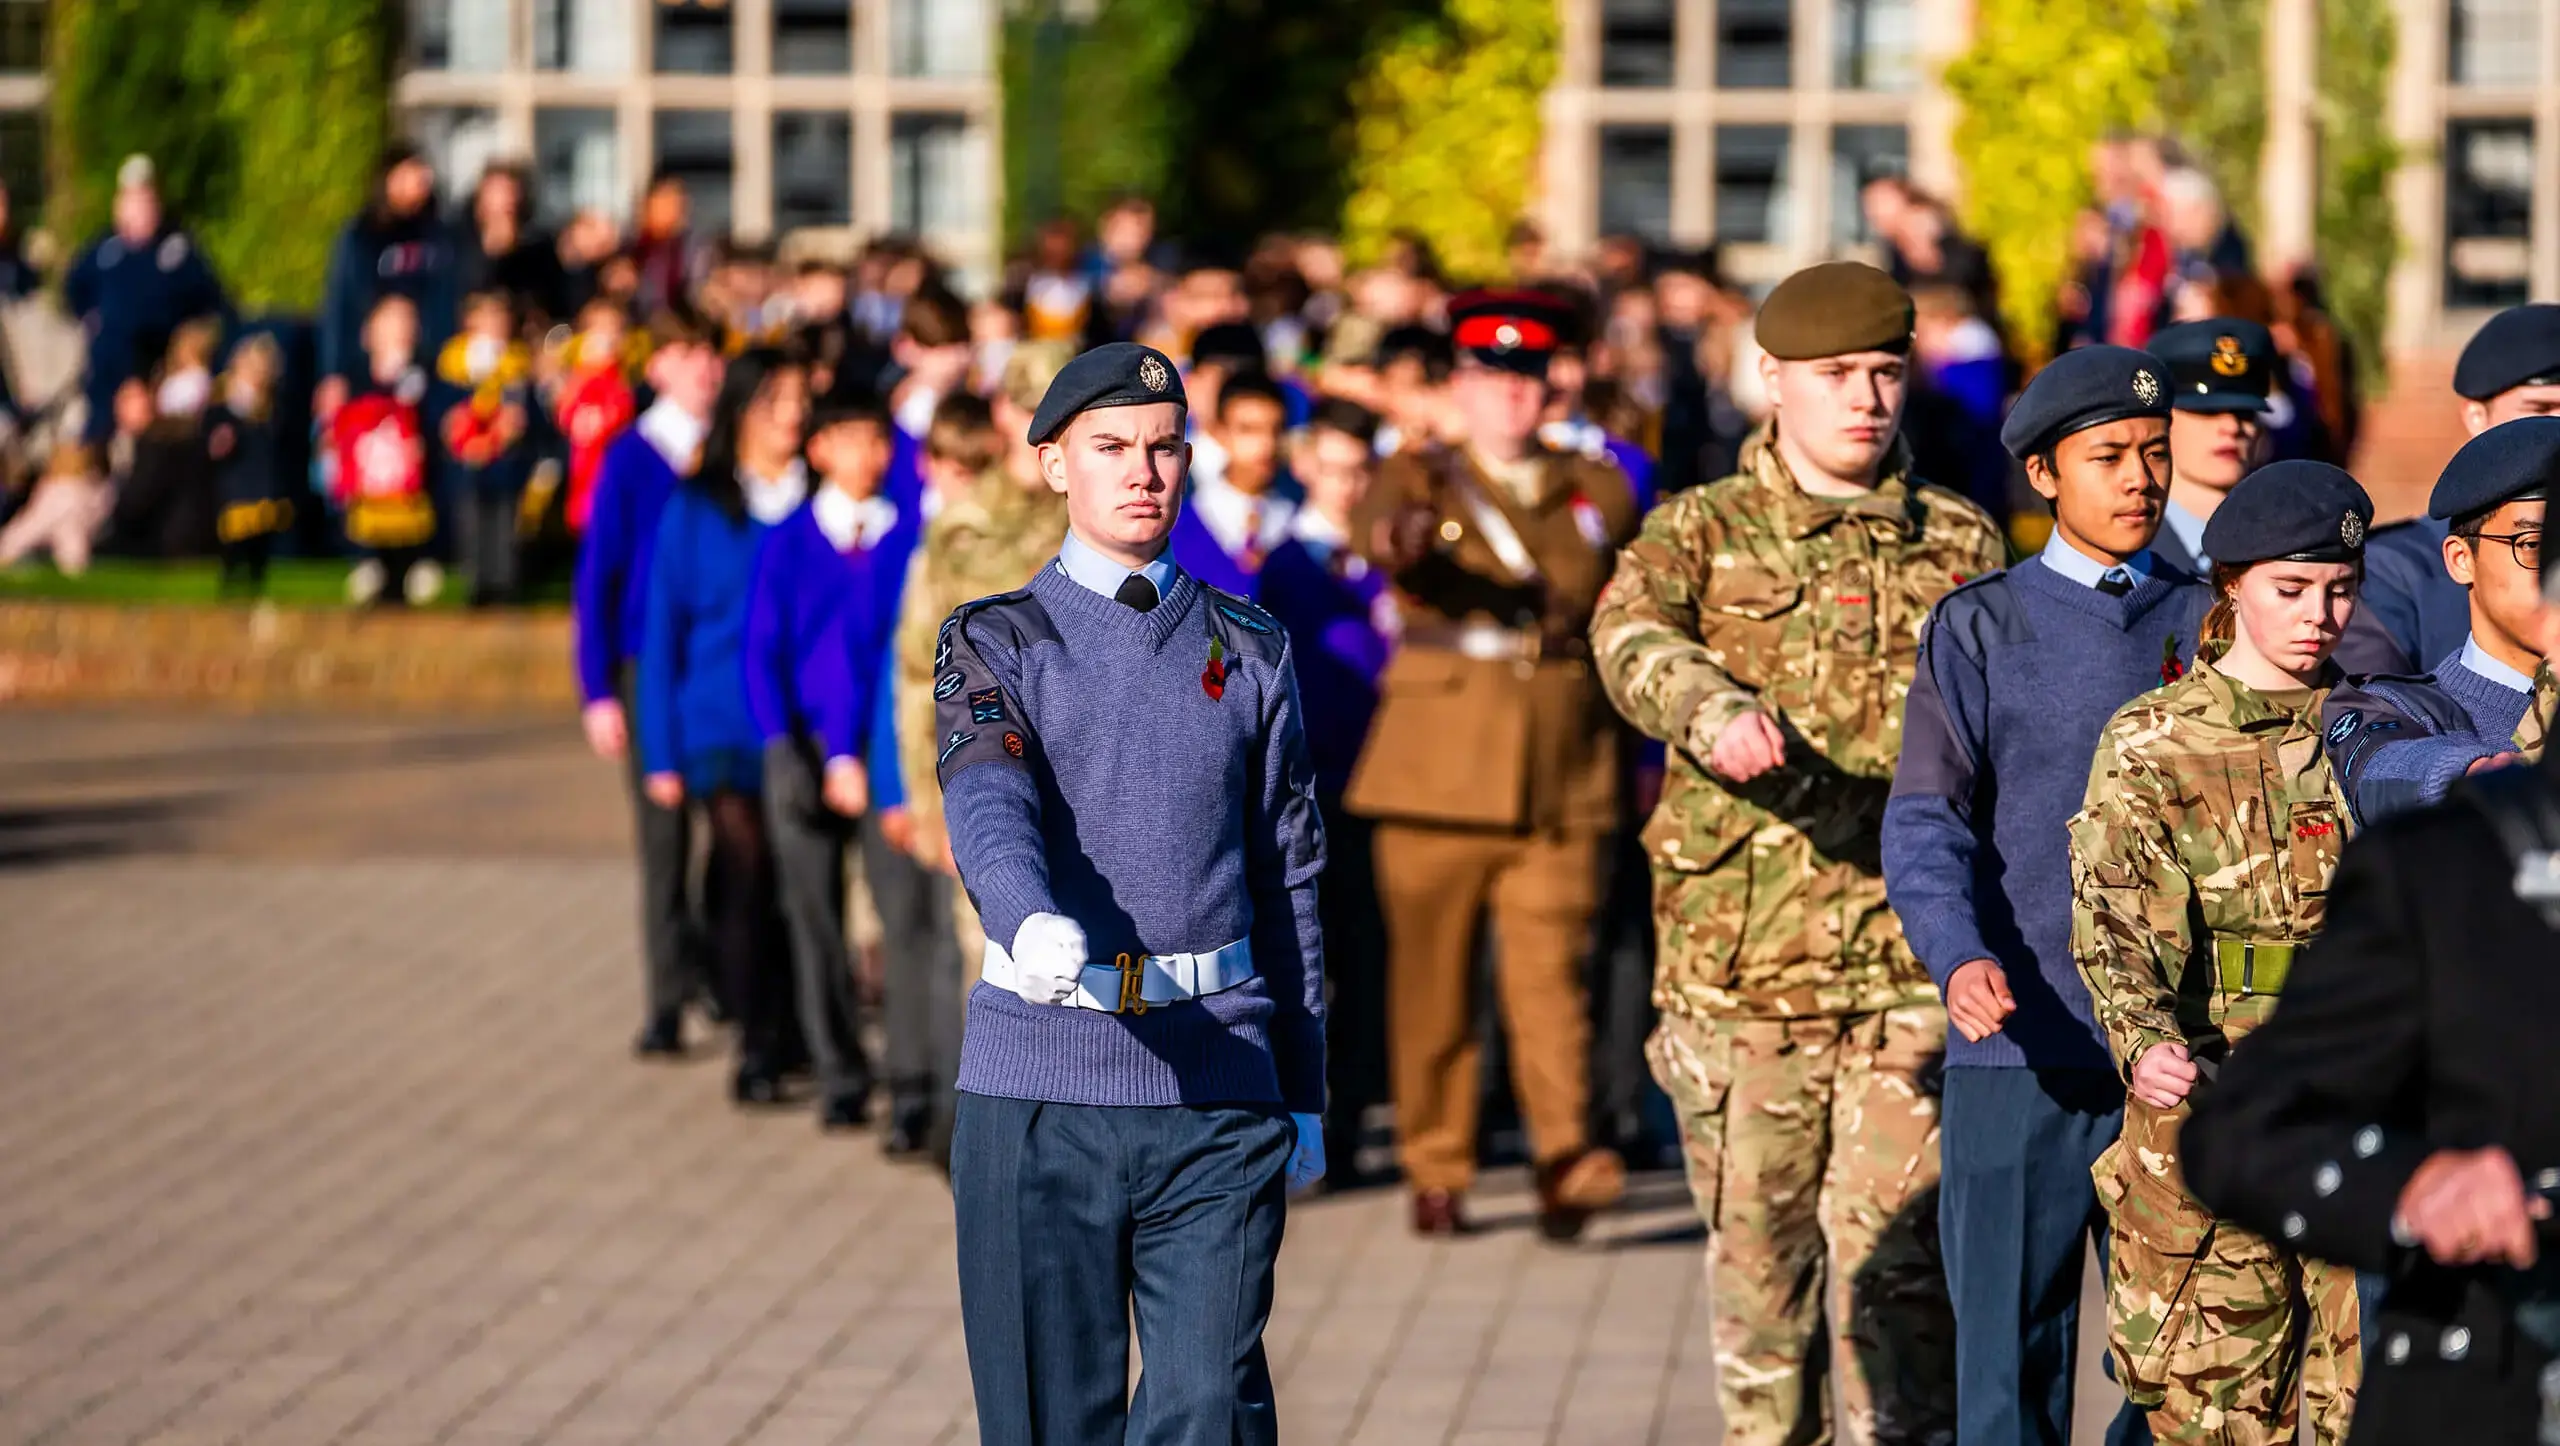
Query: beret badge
{"points": [[2146, 387], [1506, 336], [2351, 530], [1152, 375]]}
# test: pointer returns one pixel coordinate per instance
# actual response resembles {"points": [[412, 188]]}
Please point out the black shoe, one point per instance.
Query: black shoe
{"points": [[845, 1112], [661, 1038], [755, 1087], [904, 1139]]}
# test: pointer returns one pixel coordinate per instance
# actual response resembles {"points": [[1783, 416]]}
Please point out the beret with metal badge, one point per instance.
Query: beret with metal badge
{"points": [[2510, 461], [2222, 364], [1834, 309], [2518, 345], [2291, 511], [1115, 374], [2083, 388]]}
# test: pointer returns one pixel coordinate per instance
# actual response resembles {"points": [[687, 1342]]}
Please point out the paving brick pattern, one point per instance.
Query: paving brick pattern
{"points": [[316, 1126]]}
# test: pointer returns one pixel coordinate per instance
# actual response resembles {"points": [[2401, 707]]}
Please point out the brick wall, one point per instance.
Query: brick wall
{"points": [[2409, 433]]}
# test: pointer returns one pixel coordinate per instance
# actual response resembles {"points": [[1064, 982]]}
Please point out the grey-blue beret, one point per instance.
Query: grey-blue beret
{"points": [[1116, 374]]}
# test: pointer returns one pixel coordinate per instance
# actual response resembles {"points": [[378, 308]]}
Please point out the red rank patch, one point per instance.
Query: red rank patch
{"points": [[2321, 829]]}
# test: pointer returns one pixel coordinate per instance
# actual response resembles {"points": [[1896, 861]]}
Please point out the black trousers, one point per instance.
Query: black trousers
{"points": [[669, 921], [1072, 1218], [922, 992], [489, 547], [809, 841], [1355, 968]]}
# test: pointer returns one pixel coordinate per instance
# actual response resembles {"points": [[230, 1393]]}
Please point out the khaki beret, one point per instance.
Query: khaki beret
{"points": [[1834, 309]]}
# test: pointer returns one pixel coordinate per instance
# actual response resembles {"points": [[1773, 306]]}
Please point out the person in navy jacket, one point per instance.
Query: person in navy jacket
{"points": [[399, 243], [817, 632], [2019, 672], [698, 737], [637, 474], [1341, 625], [1237, 513], [132, 287]]}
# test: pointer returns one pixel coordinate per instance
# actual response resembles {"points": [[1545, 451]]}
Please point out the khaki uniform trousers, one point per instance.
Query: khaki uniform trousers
{"points": [[1812, 1151], [1433, 883]]}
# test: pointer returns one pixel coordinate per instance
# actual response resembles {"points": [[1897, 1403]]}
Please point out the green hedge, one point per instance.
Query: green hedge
{"points": [[264, 118], [2355, 229], [1447, 133]]}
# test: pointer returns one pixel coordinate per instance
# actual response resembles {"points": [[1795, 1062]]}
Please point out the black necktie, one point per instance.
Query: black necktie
{"points": [[1137, 592], [2115, 584]]}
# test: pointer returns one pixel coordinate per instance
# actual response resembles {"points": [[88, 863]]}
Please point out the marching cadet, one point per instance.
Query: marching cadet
{"points": [[2396, 1116], [2200, 864], [2219, 372], [2412, 614], [2400, 742], [1491, 766], [1142, 1076], [2019, 673], [1766, 627]]}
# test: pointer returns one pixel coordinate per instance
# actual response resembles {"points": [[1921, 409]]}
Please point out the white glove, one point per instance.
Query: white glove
{"points": [[1048, 958], [1306, 1162]]}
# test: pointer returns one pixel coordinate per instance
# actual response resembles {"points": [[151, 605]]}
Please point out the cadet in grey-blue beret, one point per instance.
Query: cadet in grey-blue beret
{"points": [[2080, 389], [2293, 511], [2517, 347], [2222, 364], [1116, 374], [2510, 462]]}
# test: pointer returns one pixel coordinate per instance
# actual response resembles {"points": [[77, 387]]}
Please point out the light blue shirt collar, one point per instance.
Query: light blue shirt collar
{"points": [[2190, 531], [2477, 659], [2085, 570], [1093, 572]]}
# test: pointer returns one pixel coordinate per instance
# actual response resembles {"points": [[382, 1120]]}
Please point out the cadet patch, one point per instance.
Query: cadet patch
{"points": [[942, 653], [1243, 619], [954, 744], [948, 683], [987, 706], [1013, 744], [2345, 727]]}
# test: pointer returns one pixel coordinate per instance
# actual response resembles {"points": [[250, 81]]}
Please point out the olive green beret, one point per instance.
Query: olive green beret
{"points": [[1834, 309]]}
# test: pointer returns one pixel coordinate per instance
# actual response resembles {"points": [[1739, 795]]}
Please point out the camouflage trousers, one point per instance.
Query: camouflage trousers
{"points": [[2221, 1335], [1813, 1157]]}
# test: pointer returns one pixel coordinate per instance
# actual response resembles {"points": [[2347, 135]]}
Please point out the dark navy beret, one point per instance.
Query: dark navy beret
{"points": [[2510, 460], [2224, 364], [2299, 511], [2520, 344], [1115, 374], [2085, 388]]}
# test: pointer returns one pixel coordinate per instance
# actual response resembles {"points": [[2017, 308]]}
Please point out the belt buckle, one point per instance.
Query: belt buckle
{"points": [[1133, 983]]}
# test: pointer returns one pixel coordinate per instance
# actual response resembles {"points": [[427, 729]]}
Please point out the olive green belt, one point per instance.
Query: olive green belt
{"points": [[2248, 968]]}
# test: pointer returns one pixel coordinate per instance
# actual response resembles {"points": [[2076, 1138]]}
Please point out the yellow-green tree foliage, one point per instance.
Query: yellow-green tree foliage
{"points": [[2214, 98], [1445, 140], [2043, 82], [2355, 229]]}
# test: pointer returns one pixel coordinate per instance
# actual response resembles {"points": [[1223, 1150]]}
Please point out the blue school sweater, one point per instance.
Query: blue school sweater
{"points": [[611, 592], [2402, 743], [693, 687], [1160, 818], [814, 635], [2019, 672]]}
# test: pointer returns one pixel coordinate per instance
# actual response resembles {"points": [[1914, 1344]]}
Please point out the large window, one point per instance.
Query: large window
{"points": [[1751, 184], [2488, 205], [2494, 43], [459, 141], [577, 158], [22, 164], [693, 146], [1636, 42], [1635, 182], [1860, 154], [937, 176], [1753, 44], [939, 37], [1875, 45], [694, 37], [812, 169], [812, 37], [469, 36], [589, 37], [22, 36]]}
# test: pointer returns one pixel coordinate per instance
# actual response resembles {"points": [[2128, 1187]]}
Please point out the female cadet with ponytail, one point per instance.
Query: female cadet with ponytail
{"points": [[2199, 864]]}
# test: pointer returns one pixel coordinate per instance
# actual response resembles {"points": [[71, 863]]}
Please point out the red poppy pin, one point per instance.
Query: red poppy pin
{"points": [[1213, 678], [2171, 670]]}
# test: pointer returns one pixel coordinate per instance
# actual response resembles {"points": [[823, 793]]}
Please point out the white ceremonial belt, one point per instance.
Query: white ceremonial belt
{"points": [[1137, 981]]}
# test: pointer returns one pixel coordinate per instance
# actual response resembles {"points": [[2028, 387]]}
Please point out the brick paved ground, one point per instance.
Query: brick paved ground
{"points": [[319, 1128]]}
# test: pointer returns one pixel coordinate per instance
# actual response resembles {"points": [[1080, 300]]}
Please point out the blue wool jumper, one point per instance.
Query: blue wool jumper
{"points": [[2397, 745], [1162, 820], [2019, 672], [611, 591], [818, 622], [693, 681]]}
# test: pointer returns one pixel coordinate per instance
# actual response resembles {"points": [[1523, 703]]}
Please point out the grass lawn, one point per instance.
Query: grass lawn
{"points": [[291, 581]]}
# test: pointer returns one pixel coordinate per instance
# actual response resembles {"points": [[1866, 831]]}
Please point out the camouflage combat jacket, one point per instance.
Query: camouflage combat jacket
{"points": [[2212, 819], [2535, 730], [988, 540], [1751, 593]]}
